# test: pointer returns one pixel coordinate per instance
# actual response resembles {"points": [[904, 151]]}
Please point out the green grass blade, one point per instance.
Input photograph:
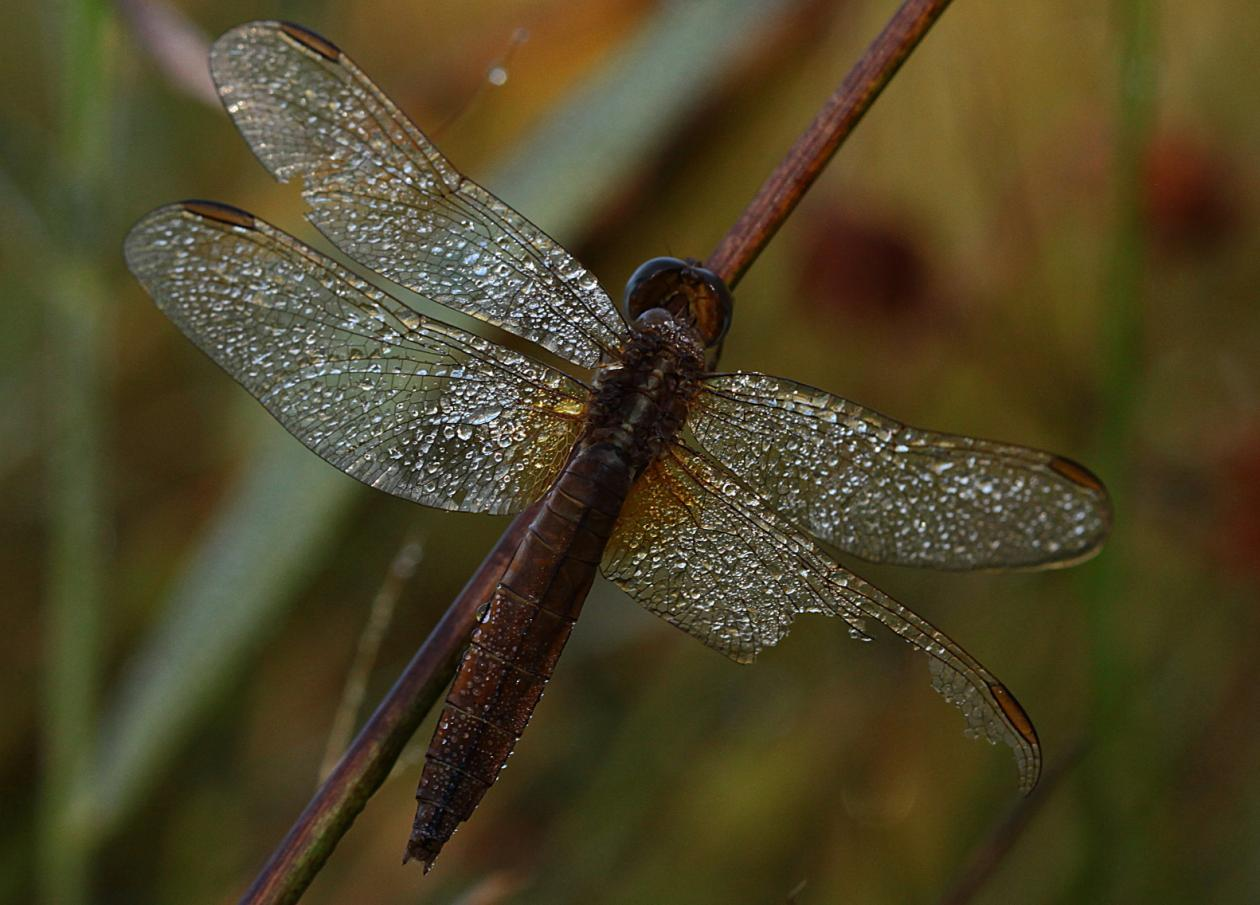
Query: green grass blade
{"points": [[1106, 584], [74, 355]]}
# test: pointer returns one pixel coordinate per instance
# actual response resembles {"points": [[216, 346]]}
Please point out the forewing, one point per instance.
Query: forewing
{"points": [[887, 492], [700, 549], [402, 402], [384, 195]]}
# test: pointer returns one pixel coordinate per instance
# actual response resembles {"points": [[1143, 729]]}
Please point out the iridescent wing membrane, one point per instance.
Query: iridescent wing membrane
{"points": [[699, 548], [383, 194], [715, 536], [716, 539], [891, 493], [400, 401]]}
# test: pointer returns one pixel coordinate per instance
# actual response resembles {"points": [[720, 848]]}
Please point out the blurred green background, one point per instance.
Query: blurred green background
{"points": [[1045, 232]]}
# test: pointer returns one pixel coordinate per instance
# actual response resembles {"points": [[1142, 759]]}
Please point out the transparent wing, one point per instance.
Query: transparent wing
{"points": [[891, 493], [699, 548], [400, 401], [384, 195]]}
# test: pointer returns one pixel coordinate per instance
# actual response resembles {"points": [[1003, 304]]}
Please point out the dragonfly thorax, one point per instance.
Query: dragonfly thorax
{"points": [[640, 401]]}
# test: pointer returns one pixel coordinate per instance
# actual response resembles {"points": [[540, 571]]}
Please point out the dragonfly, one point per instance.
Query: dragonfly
{"points": [[713, 499]]}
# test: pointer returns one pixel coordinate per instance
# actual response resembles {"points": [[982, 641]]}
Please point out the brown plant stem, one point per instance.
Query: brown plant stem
{"points": [[804, 161], [368, 760]]}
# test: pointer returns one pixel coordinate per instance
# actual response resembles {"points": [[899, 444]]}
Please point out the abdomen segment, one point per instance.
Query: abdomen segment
{"points": [[513, 651]]}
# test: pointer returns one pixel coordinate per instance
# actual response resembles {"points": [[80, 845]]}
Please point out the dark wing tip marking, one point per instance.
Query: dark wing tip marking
{"points": [[310, 40], [1019, 720], [1077, 474], [1082, 477], [222, 213], [1015, 713]]}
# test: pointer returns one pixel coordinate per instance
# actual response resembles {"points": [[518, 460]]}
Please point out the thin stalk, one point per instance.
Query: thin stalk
{"points": [[805, 160], [73, 377], [380, 615]]}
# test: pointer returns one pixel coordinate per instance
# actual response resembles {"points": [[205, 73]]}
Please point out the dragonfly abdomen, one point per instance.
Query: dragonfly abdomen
{"points": [[515, 647]]}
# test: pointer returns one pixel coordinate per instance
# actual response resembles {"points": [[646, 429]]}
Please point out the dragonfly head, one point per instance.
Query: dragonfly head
{"points": [[688, 292]]}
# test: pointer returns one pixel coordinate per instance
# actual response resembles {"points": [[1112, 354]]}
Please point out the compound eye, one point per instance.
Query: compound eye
{"points": [[650, 284], [689, 292]]}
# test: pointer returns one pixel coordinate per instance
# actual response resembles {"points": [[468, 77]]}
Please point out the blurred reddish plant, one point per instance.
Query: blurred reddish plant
{"points": [[1191, 197], [863, 266]]}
